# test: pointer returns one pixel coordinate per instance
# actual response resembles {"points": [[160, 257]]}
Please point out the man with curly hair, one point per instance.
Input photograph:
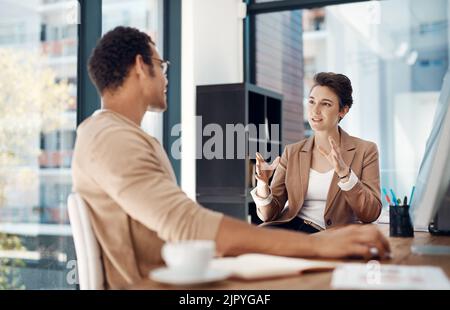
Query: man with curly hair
{"points": [[126, 179]]}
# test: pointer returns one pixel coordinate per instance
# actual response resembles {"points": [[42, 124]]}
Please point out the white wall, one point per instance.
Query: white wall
{"points": [[212, 53]]}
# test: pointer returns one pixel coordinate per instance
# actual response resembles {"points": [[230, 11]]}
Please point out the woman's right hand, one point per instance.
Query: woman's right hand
{"points": [[264, 171]]}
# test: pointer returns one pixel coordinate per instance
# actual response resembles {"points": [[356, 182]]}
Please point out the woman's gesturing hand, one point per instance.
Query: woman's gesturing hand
{"points": [[335, 158], [264, 170]]}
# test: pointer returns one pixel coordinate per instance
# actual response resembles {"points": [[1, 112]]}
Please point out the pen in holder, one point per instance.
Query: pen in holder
{"points": [[400, 224]]}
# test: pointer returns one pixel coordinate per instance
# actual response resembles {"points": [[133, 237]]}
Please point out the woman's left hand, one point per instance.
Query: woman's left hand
{"points": [[335, 158]]}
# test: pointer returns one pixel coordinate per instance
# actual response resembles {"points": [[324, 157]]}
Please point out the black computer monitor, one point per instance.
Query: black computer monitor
{"points": [[433, 181]]}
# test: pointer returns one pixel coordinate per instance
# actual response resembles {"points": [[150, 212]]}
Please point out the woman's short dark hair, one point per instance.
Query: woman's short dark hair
{"points": [[339, 84], [114, 55]]}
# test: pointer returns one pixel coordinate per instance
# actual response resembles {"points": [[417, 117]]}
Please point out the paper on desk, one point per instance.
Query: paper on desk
{"points": [[373, 275], [258, 266]]}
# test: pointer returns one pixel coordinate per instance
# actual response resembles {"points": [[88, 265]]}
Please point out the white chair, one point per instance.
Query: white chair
{"points": [[89, 263]]}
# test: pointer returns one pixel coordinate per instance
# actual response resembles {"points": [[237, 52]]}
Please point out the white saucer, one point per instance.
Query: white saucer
{"points": [[168, 276]]}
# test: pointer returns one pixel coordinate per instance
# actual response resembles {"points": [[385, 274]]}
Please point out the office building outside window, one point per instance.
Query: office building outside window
{"points": [[38, 48], [279, 63], [38, 87], [396, 54]]}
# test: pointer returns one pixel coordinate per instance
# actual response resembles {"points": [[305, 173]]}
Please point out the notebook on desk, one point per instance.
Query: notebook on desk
{"points": [[260, 266]]}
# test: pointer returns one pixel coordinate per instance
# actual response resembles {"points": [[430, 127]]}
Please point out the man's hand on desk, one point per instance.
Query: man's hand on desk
{"points": [[355, 240]]}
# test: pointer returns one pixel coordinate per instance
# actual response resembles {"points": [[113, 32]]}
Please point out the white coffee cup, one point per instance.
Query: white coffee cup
{"points": [[189, 258]]}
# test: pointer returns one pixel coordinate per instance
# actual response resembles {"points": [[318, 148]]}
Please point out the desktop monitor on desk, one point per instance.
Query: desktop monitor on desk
{"points": [[431, 204]]}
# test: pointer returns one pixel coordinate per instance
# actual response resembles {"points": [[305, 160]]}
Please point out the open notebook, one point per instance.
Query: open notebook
{"points": [[259, 266]]}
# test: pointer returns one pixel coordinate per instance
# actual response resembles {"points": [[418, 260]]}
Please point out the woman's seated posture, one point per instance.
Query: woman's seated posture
{"points": [[327, 180]]}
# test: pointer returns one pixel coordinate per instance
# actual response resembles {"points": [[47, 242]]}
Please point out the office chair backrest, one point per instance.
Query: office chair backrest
{"points": [[89, 264]]}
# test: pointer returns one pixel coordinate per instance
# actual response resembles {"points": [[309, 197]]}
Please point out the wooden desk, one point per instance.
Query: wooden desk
{"points": [[400, 248]]}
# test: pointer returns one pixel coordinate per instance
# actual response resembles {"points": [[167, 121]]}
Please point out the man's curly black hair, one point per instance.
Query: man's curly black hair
{"points": [[114, 55]]}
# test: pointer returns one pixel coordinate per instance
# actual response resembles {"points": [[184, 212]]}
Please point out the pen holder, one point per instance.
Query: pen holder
{"points": [[400, 224]]}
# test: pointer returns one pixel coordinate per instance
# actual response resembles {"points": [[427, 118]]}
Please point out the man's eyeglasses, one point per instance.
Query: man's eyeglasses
{"points": [[164, 64]]}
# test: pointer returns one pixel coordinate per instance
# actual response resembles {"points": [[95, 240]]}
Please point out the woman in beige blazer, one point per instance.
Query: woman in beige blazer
{"points": [[327, 180]]}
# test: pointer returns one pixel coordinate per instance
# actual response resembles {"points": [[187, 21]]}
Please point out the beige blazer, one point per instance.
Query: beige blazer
{"points": [[134, 203], [290, 183]]}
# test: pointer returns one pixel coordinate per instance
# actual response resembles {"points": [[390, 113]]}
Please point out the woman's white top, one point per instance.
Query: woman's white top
{"points": [[316, 197], [313, 208]]}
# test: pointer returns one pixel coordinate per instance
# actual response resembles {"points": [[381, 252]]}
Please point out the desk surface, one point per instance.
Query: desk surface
{"points": [[400, 248]]}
